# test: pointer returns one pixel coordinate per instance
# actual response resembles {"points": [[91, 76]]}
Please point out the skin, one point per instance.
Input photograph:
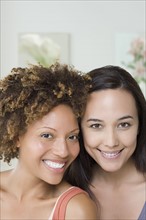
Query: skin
{"points": [[47, 148], [110, 128]]}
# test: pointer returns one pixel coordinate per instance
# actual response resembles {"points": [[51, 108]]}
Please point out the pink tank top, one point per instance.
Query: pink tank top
{"points": [[59, 209]]}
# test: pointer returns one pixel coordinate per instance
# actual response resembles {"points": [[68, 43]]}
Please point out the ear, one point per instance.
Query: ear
{"points": [[18, 143]]}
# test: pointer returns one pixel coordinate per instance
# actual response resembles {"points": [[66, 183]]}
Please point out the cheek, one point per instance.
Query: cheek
{"points": [[129, 138], [75, 150], [129, 141], [43, 146], [33, 147], [90, 144], [91, 139]]}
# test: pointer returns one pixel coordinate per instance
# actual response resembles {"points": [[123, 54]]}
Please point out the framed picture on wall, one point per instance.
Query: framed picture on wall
{"points": [[43, 48], [130, 53]]}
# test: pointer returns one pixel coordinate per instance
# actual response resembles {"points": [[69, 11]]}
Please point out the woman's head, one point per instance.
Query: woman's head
{"points": [[50, 144], [28, 94], [113, 79]]}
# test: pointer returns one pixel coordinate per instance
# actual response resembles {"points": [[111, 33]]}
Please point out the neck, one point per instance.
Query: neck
{"points": [[22, 184], [128, 173]]}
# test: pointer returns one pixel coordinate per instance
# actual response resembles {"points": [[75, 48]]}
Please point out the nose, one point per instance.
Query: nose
{"points": [[60, 148], [110, 138]]}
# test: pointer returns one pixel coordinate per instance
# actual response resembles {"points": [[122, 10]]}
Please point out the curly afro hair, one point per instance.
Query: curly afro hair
{"points": [[27, 94]]}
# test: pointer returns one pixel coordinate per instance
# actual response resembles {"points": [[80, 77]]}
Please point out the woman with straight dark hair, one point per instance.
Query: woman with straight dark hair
{"points": [[114, 136]]}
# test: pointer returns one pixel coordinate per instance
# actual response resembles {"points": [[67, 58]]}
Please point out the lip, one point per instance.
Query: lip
{"points": [[57, 166], [111, 154]]}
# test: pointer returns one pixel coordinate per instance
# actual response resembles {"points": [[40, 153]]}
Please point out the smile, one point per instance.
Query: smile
{"points": [[110, 155], [54, 165]]}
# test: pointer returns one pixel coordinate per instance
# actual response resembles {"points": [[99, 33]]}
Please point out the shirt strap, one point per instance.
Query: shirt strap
{"points": [[60, 210]]}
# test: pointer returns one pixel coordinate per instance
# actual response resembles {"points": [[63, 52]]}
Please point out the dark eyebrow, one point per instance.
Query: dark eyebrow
{"points": [[98, 120], [74, 130], [46, 127], [94, 119], [125, 117]]}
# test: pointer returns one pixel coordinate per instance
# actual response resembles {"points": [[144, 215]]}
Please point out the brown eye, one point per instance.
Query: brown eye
{"points": [[96, 126], [73, 137], [46, 135], [124, 125]]}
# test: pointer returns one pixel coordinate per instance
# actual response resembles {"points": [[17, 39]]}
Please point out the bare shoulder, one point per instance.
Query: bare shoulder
{"points": [[4, 179], [81, 207]]}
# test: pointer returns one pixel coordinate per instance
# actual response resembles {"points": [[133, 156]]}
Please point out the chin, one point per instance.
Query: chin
{"points": [[110, 169]]}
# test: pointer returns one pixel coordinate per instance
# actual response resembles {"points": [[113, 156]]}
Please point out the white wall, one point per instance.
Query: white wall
{"points": [[92, 26]]}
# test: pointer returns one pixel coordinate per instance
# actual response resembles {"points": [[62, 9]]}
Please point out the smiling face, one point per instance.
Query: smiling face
{"points": [[110, 128], [50, 145]]}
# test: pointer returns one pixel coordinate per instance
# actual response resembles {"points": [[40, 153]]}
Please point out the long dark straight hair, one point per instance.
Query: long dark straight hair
{"points": [[111, 77]]}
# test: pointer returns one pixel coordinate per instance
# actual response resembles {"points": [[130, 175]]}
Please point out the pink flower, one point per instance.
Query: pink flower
{"points": [[138, 59], [137, 47]]}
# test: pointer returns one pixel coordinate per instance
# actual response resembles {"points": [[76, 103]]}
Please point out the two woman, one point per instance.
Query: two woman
{"points": [[39, 114]]}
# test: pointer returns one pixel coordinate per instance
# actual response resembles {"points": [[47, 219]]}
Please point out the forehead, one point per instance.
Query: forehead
{"points": [[111, 100], [60, 115]]}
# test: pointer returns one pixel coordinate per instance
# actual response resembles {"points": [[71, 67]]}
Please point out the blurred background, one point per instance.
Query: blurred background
{"points": [[93, 28], [86, 34]]}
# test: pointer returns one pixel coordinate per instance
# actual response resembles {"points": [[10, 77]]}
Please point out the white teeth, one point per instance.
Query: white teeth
{"points": [[110, 155], [54, 165]]}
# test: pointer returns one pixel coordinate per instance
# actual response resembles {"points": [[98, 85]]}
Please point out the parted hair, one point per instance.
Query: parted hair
{"points": [[27, 94]]}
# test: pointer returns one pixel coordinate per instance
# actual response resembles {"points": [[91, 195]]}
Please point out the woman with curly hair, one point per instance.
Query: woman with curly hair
{"points": [[39, 113]]}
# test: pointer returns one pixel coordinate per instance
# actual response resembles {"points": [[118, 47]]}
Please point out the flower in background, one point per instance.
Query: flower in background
{"points": [[138, 62], [41, 49]]}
